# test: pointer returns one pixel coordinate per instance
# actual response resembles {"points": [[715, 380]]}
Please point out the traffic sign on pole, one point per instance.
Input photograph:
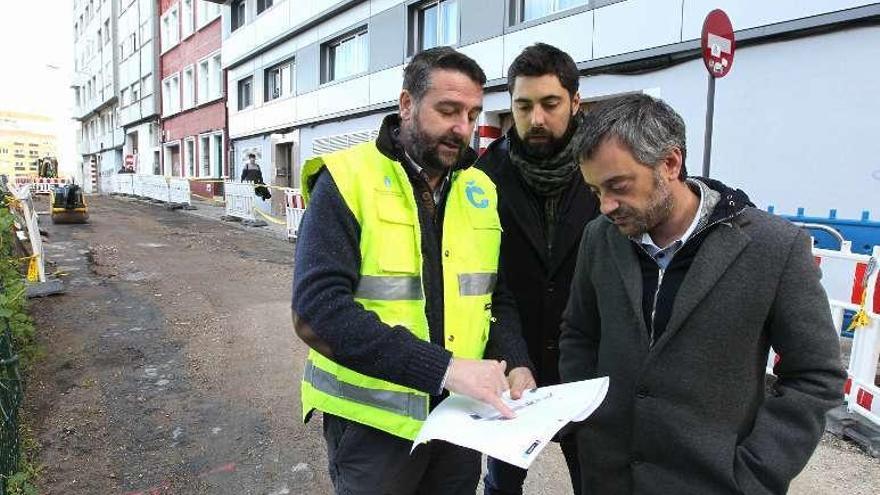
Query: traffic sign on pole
{"points": [[718, 45]]}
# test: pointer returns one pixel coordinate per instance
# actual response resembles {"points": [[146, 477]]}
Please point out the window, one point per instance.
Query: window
{"points": [[210, 79], [239, 7], [211, 155], [245, 93], [526, 10], [188, 18], [263, 5], [280, 80], [136, 92], [170, 28], [189, 157], [171, 95], [107, 31], [123, 96], [435, 23], [188, 87], [345, 56], [206, 12]]}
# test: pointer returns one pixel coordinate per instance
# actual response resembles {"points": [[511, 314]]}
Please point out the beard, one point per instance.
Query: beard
{"points": [[425, 149], [634, 222], [540, 143]]}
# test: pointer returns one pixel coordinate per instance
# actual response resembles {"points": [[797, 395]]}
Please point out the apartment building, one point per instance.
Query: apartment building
{"points": [[24, 139], [306, 77], [139, 103], [193, 117], [96, 89]]}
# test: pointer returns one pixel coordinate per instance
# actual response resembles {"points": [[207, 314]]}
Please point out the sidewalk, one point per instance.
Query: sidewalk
{"points": [[214, 211]]}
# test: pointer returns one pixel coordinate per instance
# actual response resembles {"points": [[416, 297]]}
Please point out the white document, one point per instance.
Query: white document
{"points": [[540, 413]]}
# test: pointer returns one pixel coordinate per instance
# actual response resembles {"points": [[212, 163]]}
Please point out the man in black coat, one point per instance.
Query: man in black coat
{"points": [[544, 205]]}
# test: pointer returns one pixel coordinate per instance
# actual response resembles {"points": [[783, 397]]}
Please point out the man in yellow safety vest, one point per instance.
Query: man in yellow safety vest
{"points": [[397, 290]]}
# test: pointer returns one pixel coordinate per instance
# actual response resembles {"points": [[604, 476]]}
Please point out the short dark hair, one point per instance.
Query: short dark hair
{"points": [[417, 75], [541, 59], [647, 126], [251, 155]]}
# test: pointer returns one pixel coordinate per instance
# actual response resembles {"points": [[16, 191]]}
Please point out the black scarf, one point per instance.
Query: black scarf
{"points": [[549, 177]]}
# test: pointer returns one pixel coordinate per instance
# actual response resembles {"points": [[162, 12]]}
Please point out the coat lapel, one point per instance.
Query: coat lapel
{"points": [[720, 249], [630, 273]]}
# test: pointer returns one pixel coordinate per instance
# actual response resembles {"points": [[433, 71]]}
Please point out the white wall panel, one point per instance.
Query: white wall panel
{"points": [[307, 105], [571, 34], [350, 18], [270, 24], [385, 85], [486, 53], [377, 6], [784, 133], [745, 14], [276, 114], [636, 25], [344, 96]]}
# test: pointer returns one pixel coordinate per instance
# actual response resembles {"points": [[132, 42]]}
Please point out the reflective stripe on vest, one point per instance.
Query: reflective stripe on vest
{"points": [[405, 404], [380, 288], [476, 284]]}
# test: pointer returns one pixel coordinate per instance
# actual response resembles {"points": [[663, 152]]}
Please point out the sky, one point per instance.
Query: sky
{"points": [[36, 65]]}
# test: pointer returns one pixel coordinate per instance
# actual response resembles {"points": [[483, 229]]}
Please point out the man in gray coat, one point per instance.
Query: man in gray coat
{"points": [[685, 288]]}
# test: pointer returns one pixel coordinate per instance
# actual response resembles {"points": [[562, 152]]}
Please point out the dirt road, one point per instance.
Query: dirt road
{"points": [[170, 367]]}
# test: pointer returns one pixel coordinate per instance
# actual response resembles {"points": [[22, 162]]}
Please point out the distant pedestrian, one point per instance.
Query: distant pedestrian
{"points": [[252, 173]]}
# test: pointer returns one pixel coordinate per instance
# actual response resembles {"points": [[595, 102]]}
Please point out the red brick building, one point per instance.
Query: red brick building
{"points": [[194, 138]]}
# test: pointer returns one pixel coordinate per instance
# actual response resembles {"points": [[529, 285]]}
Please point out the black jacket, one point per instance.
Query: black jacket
{"points": [[538, 277], [326, 273]]}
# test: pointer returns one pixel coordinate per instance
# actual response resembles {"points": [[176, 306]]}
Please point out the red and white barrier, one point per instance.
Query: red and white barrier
{"points": [[488, 130], [295, 208], [847, 278]]}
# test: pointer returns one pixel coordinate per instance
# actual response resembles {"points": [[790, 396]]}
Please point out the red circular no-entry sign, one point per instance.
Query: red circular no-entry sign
{"points": [[718, 43]]}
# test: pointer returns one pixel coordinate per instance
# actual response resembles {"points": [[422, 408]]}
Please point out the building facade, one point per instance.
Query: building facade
{"points": [[308, 77], [96, 89], [24, 139], [139, 104], [193, 114]]}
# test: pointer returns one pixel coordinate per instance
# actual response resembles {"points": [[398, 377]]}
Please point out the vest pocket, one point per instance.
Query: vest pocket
{"points": [[397, 235]]}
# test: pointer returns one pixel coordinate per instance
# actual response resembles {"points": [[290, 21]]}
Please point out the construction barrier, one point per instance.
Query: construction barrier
{"points": [[25, 204], [124, 184], [239, 198], [178, 191], [851, 282], [295, 208], [173, 190]]}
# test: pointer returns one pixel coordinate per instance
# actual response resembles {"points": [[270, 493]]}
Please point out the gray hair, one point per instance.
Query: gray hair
{"points": [[648, 126]]}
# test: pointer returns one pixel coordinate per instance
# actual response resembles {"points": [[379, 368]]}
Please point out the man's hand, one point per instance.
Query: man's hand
{"points": [[481, 379], [520, 380]]}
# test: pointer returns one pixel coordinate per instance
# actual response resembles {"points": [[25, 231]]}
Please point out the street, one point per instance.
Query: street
{"points": [[170, 366]]}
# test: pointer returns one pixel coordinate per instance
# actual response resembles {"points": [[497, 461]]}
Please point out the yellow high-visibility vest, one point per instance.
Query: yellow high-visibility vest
{"points": [[380, 196]]}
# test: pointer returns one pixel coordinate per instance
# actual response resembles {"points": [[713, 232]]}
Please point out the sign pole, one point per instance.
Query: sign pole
{"points": [[710, 118], [718, 45]]}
